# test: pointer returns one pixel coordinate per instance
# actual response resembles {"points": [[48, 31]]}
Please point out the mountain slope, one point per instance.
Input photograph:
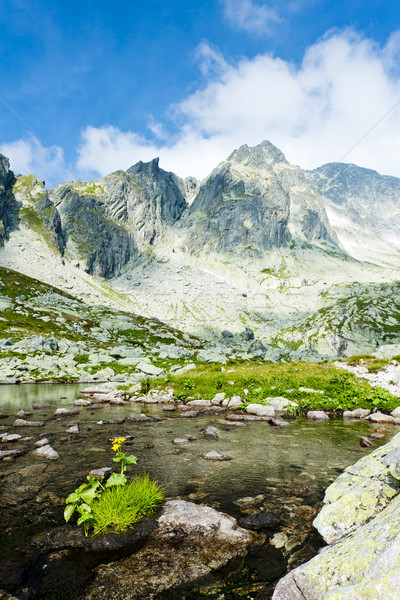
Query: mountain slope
{"points": [[258, 243]]}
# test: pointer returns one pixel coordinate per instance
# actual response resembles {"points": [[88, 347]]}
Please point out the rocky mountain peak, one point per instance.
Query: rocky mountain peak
{"points": [[257, 156], [149, 169]]}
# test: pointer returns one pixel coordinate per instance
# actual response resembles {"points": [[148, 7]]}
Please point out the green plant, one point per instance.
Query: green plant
{"points": [[82, 499], [145, 385], [121, 506]]}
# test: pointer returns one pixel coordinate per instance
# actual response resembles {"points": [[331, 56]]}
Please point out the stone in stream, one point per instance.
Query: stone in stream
{"points": [[188, 414], [10, 437], [232, 424], [66, 412], [379, 417], [42, 442], [260, 410], [82, 402], [215, 456], [38, 405], [317, 415], [207, 540], [72, 429], [180, 441], [46, 451], [21, 414], [211, 432], [365, 442], [100, 472], [8, 453], [357, 413], [23, 423], [261, 520], [376, 436], [137, 418]]}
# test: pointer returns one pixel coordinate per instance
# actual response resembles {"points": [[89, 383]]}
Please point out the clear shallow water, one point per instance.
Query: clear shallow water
{"points": [[288, 468]]}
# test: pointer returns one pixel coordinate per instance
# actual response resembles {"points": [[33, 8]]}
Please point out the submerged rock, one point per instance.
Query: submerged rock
{"points": [[191, 541], [23, 423], [214, 455], [46, 451]]}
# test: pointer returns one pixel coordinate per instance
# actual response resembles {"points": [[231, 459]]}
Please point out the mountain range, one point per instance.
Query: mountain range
{"points": [[308, 260]]}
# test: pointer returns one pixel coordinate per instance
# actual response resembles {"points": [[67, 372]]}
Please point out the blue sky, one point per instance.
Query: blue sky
{"points": [[104, 85]]}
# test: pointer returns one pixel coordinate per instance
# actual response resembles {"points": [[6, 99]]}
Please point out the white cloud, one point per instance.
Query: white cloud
{"points": [[31, 156], [314, 112], [251, 17]]}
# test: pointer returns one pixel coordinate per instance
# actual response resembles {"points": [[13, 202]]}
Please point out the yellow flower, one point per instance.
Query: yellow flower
{"points": [[117, 443]]}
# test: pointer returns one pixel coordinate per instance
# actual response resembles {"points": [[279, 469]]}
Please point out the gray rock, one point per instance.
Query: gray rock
{"points": [[357, 413], [207, 540], [396, 412], [9, 453], [21, 414], [73, 429], [137, 418], [218, 398], [23, 423], [199, 403], [361, 565], [10, 437], [180, 442], [380, 418], [215, 456], [188, 414], [149, 369], [46, 452], [42, 442], [100, 472], [260, 410], [82, 402], [317, 415], [360, 492], [66, 412], [183, 370], [281, 404], [211, 432]]}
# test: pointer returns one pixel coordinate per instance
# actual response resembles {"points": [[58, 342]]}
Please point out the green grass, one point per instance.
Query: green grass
{"points": [[341, 390], [119, 507]]}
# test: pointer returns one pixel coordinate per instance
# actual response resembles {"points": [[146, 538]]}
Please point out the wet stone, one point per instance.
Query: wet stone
{"points": [[262, 520], [23, 423], [42, 442], [46, 452], [38, 406], [215, 456], [66, 412], [12, 437], [138, 418], [211, 432]]}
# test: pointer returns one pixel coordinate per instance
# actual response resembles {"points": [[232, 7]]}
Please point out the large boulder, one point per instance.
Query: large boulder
{"points": [[206, 538], [361, 519]]}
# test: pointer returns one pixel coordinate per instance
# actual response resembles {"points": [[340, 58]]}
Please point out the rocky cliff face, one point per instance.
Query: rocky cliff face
{"points": [[256, 200], [367, 200], [7, 204]]}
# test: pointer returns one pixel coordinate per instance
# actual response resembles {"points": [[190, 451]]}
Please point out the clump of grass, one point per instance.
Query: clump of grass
{"points": [[119, 507]]}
